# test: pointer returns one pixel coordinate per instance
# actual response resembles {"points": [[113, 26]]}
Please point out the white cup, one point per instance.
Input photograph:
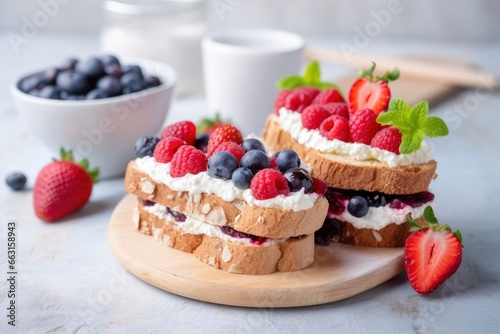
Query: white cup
{"points": [[241, 68]]}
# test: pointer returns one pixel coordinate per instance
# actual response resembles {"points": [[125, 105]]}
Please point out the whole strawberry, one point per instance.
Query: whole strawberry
{"points": [[208, 125], [432, 253], [185, 130], [222, 134], [62, 187], [371, 91]]}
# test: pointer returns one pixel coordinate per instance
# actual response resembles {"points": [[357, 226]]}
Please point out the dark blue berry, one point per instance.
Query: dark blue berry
{"points": [[50, 76], [221, 165], [50, 92], [201, 142], [178, 217], [110, 85], [133, 69], [252, 144], [16, 181], [242, 177], [358, 206], [152, 81], [96, 94], [69, 64], [376, 199], [287, 159], [130, 78], [133, 87], [255, 160], [34, 92], [299, 178], [331, 227], [70, 97], [113, 70], [36, 81], [145, 146], [109, 60], [73, 83], [92, 68]]}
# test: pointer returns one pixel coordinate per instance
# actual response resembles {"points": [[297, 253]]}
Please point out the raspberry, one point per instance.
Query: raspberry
{"points": [[327, 96], [335, 127], [313, 116], [337, 108], [311, 91], [273, 162], [298, 99], [166, 148], [280, 100], [184, 130], [319, 187], [387, 139], [269, 183], [230, 147], [222, 134], [363, 126], [188, 160]]}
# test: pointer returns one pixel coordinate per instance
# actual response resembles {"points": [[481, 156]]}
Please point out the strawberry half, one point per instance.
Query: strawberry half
{"points": [[371, 91], [432, 254], [62, 187]]}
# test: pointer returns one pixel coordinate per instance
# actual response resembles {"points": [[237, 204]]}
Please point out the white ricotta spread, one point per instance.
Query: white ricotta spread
{"points": [[203, 183], [292, 123]]}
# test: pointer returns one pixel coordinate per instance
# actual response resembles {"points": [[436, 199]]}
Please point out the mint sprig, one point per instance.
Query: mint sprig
{"points": [[413, 123], [311, 77]]}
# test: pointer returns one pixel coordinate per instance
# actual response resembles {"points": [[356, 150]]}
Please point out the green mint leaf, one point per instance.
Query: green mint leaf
{"points": [[429, 215], [411, 142], [290, 82], [312, 74], [435, 127]]}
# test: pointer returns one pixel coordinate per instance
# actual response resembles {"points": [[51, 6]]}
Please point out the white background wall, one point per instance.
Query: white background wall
{"points": [[446, 20]]}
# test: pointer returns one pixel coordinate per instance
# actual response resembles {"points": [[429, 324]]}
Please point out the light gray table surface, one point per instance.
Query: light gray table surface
{"points": [[70, 282]]}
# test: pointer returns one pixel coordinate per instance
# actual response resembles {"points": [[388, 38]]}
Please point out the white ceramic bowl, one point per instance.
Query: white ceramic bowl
{"points": [[105, 130]]}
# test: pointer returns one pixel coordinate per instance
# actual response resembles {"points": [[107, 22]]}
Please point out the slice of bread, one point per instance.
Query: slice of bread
{"points": [[235, 257], [238, 214], [347, 173]]}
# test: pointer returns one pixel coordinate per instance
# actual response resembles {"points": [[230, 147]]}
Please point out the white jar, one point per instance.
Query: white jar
{"points": [[169, 31]]}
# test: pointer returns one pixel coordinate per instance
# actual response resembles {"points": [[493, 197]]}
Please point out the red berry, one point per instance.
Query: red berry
{"points": [[269, 183], [313, 116], [166, 148], [319, 187], [61, 188], [337, 108], [184, 130], [273, 161], [363, 126], [188, 160], [280, 100], [222, 134], [327, 96], [388, 139], [335, 127], [367, 94], [298, 99], [431, 257], [230, 147], [311, 91]]}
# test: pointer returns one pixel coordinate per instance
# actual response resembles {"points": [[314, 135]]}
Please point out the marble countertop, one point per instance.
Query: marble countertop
{"points": [[70, 282]]}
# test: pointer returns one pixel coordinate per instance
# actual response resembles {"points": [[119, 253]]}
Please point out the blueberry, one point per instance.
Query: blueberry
{"points": [[152, 81], [73, 83], [96, 94], [145, 146], [376, 199], [252, 144], [34, 92], [129, 78], [287, 159], [50, 92], [221, 165], [69, 64], [299, 178], [113, 70], [133, 87], [201, 142], [133, 69], [50, 76], [331, 227], [358, 206], [110, 85], [36, 81], [110, 60], [66, 96], [255, 160], [242, 177], [16, 181], [92, 68], [178, 217]]}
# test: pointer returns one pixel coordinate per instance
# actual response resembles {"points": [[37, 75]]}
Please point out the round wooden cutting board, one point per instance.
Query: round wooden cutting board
{"points": [[338, 272]]}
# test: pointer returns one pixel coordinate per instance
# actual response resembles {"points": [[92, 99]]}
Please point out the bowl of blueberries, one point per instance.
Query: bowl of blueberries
{"points": [[97, 106]]}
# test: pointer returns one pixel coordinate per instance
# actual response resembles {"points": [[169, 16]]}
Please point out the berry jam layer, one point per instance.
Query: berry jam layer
{"points": [[374, 210], [194, 226]]}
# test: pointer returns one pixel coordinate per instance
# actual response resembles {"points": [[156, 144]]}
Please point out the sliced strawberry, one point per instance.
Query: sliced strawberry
{"points": [[372, 95]]}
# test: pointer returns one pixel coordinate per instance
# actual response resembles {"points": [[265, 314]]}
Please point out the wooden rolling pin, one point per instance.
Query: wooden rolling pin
{"points": [[439, 71]]}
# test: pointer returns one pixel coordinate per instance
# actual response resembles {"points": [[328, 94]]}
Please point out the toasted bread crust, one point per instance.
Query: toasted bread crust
{"points": [[266, 222], [346, 173], [239, 258]]}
